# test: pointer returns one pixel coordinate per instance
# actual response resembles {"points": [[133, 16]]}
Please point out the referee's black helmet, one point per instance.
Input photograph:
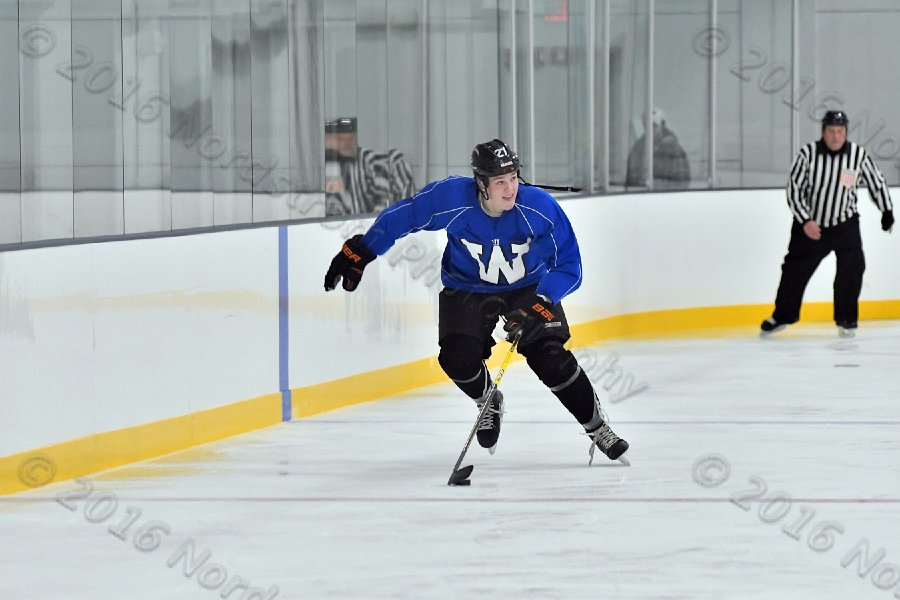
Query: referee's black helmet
{"points": [[835, 117]]}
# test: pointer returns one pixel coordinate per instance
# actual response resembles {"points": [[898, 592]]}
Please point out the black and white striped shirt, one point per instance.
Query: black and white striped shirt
{"points": [[822, 184], [375, 180]]}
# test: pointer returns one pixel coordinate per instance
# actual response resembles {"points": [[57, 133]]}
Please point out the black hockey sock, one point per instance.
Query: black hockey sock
{"points": [[476, 386], [577, 395]]}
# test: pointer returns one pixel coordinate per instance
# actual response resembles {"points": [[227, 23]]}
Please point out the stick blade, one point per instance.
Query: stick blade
{"points": [[461, 476]]}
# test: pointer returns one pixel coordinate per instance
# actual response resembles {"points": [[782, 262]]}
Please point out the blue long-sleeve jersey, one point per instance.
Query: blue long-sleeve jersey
{"points": [[532, 244]]}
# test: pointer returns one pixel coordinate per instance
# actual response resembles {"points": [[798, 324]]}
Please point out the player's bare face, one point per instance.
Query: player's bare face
{"points": [[834, 136], [502, 191]]}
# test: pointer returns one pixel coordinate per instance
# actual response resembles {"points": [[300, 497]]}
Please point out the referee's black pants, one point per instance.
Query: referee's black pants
{"points": [[802, 259]]}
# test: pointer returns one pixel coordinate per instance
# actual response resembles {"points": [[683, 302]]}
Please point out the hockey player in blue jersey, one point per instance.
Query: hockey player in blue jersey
{"points": [[510, 252]]}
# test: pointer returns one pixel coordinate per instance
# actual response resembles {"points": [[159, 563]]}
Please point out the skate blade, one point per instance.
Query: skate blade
{"points": [[624, 460], [492, 449], [764, 334]]}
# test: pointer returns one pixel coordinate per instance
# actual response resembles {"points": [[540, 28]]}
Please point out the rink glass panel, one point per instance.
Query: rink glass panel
{"points": [[125, 118]]}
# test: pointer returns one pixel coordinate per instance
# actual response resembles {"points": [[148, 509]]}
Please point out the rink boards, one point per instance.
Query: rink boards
{"points": [[121, 351]]}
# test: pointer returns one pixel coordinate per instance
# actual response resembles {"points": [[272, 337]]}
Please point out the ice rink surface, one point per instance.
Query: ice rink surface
{"points": [[760, 469]]}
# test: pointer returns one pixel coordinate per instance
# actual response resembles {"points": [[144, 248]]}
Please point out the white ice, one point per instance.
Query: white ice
{"points": [[354, 503]]}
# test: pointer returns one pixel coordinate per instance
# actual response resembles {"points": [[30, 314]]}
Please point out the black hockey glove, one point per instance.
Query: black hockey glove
{"points": [[530, 315], [348, 264], [887, 220]]}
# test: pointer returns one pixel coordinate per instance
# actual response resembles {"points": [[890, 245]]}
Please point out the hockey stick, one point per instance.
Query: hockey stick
{"points": [[555, 188], [461, 476]]}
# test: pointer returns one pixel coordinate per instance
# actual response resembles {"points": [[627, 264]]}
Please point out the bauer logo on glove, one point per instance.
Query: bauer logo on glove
{"points": [[539, 309], [531, 314]]}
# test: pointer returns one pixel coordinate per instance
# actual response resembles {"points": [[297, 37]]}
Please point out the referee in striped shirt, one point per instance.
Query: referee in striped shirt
{"points": [[821, 194]]}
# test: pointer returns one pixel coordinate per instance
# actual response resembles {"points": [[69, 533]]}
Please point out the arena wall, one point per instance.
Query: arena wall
{"points": [[118, 352]]}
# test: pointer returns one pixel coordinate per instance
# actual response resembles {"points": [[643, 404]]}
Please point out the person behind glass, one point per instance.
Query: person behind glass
{"points": [[510, 252], [821, 194], [359, 180], [671, 169], [340, 159]]}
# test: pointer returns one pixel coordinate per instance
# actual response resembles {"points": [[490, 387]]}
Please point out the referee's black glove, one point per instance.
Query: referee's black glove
{"points": [[887, 220]]}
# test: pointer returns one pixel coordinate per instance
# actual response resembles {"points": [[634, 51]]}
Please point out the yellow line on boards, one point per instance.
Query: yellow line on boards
{"points": [[101, 451], [698, 321]]}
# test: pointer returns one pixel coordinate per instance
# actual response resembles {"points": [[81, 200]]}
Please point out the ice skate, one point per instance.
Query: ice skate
{"points": [[847, 329], [770, 326], [489, 428], [611, 444]]}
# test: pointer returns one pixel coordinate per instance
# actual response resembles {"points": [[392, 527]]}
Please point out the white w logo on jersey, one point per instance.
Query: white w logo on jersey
{"points": [[497, 263]]}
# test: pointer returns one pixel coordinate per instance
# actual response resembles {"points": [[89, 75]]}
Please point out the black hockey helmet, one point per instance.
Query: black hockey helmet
{"points": [[493, 158], [835, 117]]}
